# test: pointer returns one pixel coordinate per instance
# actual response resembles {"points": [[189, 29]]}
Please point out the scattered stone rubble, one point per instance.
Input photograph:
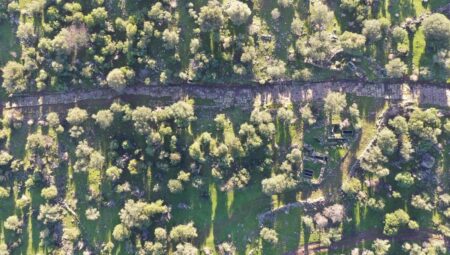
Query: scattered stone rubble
{"points": [[306, 205]]}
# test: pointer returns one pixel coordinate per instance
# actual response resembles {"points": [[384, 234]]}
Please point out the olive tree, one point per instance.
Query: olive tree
{"points": [[50, 213], [285, 115], [13, 223], [185, 249], [14, 77], [437, 30], [76, 116], [318, 48], [171, 38], [121, 232], [353, 43], [118, 78], [381, 247], [53, 119], [393, 221], [113, 173], [387, 141], [396, 68], [278, 184], [175, 186], [399, 124], [425, 124], [307, 115], [320, 16], [372, 29], [399, 34], [49, 192], [183, 232], [103, 118], [211, 17], [4, 193], [238, 12], [405, 179], [137, 213], [335, 103], [352, 186]]}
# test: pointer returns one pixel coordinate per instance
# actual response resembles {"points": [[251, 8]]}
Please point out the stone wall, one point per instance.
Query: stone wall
{"points": [[244, 96]]}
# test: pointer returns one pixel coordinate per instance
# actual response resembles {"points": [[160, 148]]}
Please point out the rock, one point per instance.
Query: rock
{"points": [[428, 161]]}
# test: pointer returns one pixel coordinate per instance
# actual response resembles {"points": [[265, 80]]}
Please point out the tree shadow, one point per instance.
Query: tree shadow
{"points": [[410, 56], [280, 28], [36, 201], [401, 9], [288, 226], [435, 4]]}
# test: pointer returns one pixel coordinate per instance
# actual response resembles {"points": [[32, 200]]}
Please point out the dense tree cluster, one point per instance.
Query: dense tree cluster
{"points": [[98, 44]]}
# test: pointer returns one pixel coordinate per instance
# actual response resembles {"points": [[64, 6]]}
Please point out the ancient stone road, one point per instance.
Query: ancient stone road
{"points": [[244, 96]]}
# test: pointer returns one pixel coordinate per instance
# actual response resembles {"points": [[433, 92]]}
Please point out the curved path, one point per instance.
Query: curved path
{"points": [[366, 236], [225, 96]]}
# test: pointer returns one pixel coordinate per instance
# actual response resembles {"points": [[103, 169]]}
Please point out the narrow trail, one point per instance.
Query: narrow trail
{"points": [[366, 236]]}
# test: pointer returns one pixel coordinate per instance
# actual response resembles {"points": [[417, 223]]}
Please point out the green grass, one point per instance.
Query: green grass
{"points": [[8, 43], [223, 216]]}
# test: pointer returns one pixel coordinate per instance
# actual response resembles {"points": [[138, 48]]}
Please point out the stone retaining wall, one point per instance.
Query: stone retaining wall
{"points": [[243, 96]]}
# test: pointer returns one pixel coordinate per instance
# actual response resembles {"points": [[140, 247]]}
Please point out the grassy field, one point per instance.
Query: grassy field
{"points": [[9, 45], [219, 216]]}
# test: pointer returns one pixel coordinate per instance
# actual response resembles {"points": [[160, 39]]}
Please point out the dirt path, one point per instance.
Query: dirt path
{"points": [[224, 96], [367, 236]]}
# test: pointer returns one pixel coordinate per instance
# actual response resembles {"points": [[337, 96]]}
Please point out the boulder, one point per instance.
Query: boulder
{"points": [[428, 161]]}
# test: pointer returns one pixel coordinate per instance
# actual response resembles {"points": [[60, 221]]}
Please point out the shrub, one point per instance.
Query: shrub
{"points": [[269, 235]]}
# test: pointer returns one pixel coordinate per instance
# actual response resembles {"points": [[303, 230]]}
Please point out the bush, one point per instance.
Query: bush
{"points": [[113, 173], [351, 186], [49, 192], [405, 179], [175, 186], [92, 213], [121, 232], [269, 235], [4, 193], [13, 223]]}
